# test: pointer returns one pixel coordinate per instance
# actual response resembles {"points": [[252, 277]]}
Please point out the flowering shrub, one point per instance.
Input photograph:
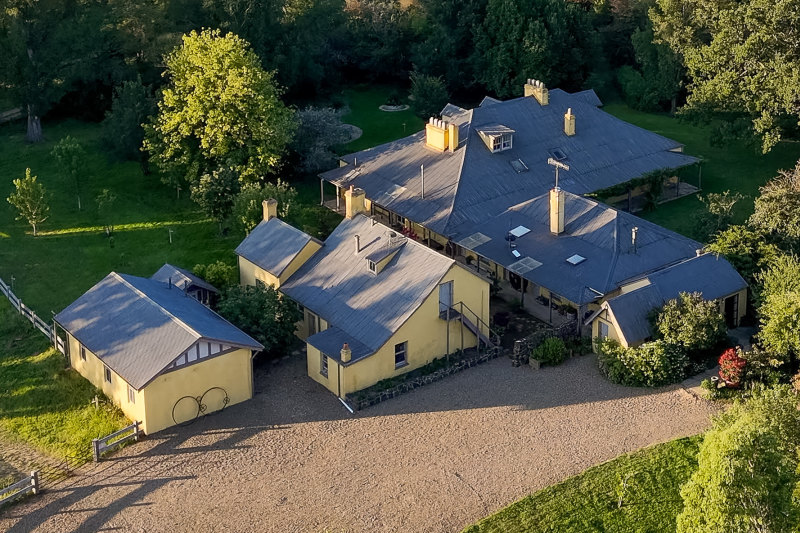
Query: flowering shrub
{"points": [[652, 364], [731, 367]]}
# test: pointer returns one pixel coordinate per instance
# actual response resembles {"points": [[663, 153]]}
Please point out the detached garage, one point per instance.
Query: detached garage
{"points": [[160, 355]]}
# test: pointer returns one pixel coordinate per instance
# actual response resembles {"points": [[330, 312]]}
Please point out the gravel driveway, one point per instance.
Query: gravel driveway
{"points": [[436, 459]]}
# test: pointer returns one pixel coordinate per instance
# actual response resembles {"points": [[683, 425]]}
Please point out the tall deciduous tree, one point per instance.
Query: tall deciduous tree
{"points": [[30, 200], [319, 129], [747, 470], [48, 46], [779, 311], [741, 56], [71, 159], [220, 109], [215, 193], [550, 40], [429, 95], [132, 105], [777, 208], [247, 206]]}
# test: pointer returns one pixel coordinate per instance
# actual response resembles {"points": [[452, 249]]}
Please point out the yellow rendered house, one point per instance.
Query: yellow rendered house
{"points": [[155, 351], [376, 304]]}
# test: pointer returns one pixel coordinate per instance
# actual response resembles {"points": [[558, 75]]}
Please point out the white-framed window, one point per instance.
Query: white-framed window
{"points": [[107, 373], [501, 142], [131, 394], [602, 330], [400, 354], [323, 364], [83, 352], [400, 220], [372, 267]]}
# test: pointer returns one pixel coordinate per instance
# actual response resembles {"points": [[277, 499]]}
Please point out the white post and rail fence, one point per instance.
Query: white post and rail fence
{"points": [[20, 488], [108, 443], [37, 322]]}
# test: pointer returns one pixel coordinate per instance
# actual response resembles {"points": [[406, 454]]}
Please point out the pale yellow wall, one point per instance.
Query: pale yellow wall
{"points": [[742, 304], [302, 326], [436, 137], [233, 371], [424, 331], [630, 287], [116, 391], [613, 330], [250, 272]]}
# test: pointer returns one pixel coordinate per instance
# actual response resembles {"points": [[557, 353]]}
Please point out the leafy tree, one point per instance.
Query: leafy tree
{"points": [[263, 314], [105, 208], [219, 274], [379, 32], [428, 95], [30, 199], [719, 213], [651, 364], [550, 40], [747, 469], [662, 71], [318, 130], [777, 208], [779, 310], [692, 323], [71, 159], [735, 61], [49, 46], [247, 206], [747, 250], [215, 193], [131, 106], [220, 109]]}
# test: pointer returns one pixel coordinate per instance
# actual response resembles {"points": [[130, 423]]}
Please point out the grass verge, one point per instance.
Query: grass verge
{"points": [[634, 492], [41, 402]]}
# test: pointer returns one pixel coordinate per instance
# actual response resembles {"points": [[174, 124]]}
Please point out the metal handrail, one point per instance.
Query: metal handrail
{"points": [[492, 335]]}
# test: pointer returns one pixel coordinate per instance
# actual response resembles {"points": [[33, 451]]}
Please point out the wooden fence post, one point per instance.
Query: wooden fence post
{"points": [[96, 450], [35, 482], [136, 430]]}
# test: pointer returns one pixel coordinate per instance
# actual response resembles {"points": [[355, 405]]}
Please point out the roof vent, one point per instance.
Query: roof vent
{"points": [[519, 165], [575, 259], [558, 154]]}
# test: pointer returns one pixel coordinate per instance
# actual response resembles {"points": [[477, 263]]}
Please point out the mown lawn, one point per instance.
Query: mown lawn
{"points": [[650, 501], [378, 126], [72, 252], [41, 402], [734, 166]]}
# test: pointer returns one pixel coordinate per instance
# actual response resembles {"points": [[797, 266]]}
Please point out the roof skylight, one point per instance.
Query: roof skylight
{"points": [[575, 259]]}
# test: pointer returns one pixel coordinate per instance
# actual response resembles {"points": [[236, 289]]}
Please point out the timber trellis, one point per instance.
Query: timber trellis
{"points": [[37, 322], [105, 444], [20, 488]]}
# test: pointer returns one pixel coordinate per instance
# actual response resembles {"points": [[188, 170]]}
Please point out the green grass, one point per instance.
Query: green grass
{"points": [[733, 166], [590, 502], [378, 126], [72, 253], [41, 402]]}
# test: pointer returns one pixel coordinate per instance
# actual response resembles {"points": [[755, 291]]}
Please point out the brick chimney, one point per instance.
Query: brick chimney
{"points": [[569, 123], [270, 208], [346, 353], [537, 89], [556, 211], [354, 202], [452, 140]]}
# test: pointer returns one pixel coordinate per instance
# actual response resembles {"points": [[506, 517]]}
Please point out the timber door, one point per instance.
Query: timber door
{"points": [[445, 296], [732, 311]]}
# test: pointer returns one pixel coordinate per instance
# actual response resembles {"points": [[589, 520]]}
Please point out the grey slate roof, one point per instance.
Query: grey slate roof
{"points": [[272, 245], [181, 278], [360, 307], [631, 312], [472, 183], [600, 234], [707, 274], [137, 326]]}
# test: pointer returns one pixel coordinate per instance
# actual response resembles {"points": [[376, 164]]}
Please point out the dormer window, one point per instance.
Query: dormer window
{"points": [[372, 266], [497, 137]]}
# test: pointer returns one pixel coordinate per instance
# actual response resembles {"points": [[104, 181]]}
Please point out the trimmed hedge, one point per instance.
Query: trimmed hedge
{"points": [[652, 364]]}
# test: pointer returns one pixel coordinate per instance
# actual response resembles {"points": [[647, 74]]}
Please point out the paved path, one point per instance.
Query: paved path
{"points": [[436, 459]]}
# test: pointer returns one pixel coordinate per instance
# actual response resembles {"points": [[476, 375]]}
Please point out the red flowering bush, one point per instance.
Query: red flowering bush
{"points": [[731, 367]]}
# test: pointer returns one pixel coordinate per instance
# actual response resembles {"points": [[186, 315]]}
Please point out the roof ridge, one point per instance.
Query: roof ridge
{"points": [[177, 320], [615, 257], [468, 126]]}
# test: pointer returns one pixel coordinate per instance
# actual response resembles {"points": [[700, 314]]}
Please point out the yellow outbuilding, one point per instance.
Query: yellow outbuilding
{"points": [[160, 355]]}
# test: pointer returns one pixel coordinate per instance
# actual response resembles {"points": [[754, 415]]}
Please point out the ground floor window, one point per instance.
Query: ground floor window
{"points": [[261, 284], [400, 354], [131, 394], [602, 330], [323, 365], [107, 374]]}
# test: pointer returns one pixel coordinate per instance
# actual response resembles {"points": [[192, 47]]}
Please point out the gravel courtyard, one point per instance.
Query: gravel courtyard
{"points": [[436, 459]]}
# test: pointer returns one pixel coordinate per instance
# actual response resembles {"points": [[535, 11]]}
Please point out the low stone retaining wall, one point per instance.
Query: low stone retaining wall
{"points": [[366, 399]]}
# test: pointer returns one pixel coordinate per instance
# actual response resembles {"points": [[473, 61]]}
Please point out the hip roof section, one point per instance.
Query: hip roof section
{"points": [[272, 245]]}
